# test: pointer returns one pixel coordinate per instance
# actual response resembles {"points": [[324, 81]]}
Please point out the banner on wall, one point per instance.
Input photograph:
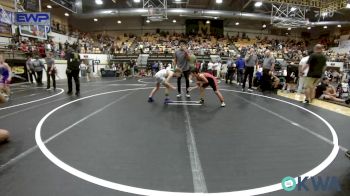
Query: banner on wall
{"points": [[6, 16], [202, 27], [35, 18]]}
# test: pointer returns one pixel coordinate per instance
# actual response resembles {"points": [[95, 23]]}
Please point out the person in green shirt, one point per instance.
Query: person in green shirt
{"points": [[192, 59]]}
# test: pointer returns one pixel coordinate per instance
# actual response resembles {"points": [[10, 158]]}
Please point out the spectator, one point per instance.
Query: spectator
{"points": [[327, 92], [316, 65], [302, 74], [268, 69], [73, 63], [230, 70], [210, 67], [251, 60], [51, 71], [30, 69], [5, 79], [240, 66], [38, 67]]}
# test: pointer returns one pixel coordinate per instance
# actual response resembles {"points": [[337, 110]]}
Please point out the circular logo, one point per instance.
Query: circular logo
{"points": [[289, 183]]}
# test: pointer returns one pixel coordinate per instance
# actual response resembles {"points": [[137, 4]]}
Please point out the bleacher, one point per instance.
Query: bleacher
{"points": [[11, 52]]}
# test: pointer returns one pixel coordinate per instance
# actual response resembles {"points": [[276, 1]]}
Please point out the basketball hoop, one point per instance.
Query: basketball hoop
{"points": [[157, 9], [288, 16]]}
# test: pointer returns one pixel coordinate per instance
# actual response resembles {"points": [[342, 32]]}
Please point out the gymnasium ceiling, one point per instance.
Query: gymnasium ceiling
{"points": [[231, 11], [229, 8], [233, 5]]}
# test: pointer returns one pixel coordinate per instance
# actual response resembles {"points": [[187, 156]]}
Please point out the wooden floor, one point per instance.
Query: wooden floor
{"points": [[322, 104]]}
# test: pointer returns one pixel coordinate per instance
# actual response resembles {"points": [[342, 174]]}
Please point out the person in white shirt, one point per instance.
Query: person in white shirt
{"points": [[210, 67], [223, 71], [86, 69], [302, 76], [215, 71], [218, 69], [163, 77]]}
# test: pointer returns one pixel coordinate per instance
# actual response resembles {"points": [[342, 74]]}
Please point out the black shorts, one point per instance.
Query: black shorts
{"points": [[210, 83]]}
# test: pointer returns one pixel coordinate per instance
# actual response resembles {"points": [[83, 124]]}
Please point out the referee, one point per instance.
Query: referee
{"points": [[181, 61]]}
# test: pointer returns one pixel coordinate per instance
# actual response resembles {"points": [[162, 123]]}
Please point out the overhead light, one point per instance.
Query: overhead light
{"points": [[237, 23], [137, 1], [148, 21], [348, 5], [213, 12], [308, 28], [66, 14], [293, 9], [177, 1], [287, 33], [174, 21], [216, 17], [177, 10], [339, 26], [264, 26], [218, 1], [49, 6], [208, 22], [289, 28], [258, 4], [95, 19], [119, 22], [325, 27], [99, 2], [107, 12]]}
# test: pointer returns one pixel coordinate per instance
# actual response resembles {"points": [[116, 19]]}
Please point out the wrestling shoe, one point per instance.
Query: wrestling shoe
{"points": [[178, 96], [250, 90], [223, 104], [201, 101], [188, 96], [306, 101], [167, 101], [150, 100]]}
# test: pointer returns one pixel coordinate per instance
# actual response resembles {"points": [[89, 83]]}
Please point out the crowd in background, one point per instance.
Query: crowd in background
{"points": [[291, 50], [235, 48]]}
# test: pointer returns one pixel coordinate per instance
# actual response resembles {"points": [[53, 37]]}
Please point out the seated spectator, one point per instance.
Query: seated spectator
{"points": [[326, 91]]}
